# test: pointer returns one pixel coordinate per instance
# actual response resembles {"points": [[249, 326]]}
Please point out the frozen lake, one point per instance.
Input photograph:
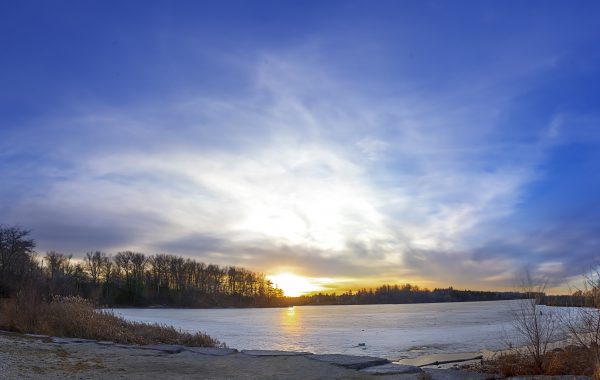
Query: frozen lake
{"points": [[390, 331]]}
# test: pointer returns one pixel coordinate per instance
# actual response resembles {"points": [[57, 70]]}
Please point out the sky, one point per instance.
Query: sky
{"points": [[350, 142]]}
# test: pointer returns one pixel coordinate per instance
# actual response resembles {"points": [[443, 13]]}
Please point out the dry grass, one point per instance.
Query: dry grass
{"points": [[75, 317], [572, 360]]}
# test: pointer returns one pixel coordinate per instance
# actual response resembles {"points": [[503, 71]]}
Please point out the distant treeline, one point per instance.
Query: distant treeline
{"points": [[586, 298], [135, 279], [403, 294]]}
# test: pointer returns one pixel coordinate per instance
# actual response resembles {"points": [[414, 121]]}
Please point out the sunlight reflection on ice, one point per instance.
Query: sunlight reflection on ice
{"points": [[391, 331]]}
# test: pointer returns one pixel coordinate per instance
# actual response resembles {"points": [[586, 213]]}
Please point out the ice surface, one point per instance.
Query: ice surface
{"points": [[389, 331]]}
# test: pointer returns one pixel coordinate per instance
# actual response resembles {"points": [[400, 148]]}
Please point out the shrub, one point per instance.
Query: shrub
{"points": [[76, 317], [572, 360]]}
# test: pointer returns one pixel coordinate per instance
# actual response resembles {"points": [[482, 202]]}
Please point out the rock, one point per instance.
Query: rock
{"points": [[392, 369], [437, 359], [454, 374], [560, 377], [362, 344], [212, 351], [488, 354], [127, 346], [37, 336], [168, 348], [350, 361], [71, 340], [274, 353]]}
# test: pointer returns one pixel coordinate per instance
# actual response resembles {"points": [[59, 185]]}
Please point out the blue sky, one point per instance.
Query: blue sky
{"points": [[445, 143]]}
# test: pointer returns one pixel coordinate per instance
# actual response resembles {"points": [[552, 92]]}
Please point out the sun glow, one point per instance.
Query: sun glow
{"points": [[294, 285]]}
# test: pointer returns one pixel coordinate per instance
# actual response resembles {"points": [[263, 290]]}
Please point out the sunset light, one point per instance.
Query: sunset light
{"points": [[294, 285], [375, 185]]}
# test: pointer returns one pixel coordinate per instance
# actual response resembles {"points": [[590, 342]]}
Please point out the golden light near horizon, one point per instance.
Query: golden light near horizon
{"points": [[294, 285]]}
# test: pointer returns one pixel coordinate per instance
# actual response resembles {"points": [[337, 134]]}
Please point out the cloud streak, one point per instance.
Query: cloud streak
{"points": [[355, 198], [309, 166]]}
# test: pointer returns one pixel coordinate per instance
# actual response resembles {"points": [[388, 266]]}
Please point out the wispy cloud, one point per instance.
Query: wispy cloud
{"points": [[391, 143], [299, 171]]}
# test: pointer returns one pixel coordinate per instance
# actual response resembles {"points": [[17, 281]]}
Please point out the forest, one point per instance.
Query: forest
{"points": [[134, 279], [402, 294], [129, 278]]}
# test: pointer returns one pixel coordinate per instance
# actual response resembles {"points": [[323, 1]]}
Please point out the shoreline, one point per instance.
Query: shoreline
{"points": [[296, 305], [32, 356]]}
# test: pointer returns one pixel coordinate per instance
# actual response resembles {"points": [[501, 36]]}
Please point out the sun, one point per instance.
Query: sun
{"points": [[293, 285]]}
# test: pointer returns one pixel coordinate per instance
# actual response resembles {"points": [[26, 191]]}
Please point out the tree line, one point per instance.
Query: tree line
{"points": [[129, 278], [405, 294], [136, 279]]}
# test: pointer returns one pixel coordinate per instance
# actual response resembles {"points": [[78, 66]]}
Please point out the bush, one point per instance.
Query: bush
{"points": [[75, 317], [572, 360]]}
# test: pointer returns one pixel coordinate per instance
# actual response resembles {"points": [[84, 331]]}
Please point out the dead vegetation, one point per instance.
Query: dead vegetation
{"points": [[536, 325], [540, 327], [571, 360], [77, 318]]}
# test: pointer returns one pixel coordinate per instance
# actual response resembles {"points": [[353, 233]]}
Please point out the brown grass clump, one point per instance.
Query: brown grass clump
{"points": [[572, 360], [596, 373], [76, 318]]}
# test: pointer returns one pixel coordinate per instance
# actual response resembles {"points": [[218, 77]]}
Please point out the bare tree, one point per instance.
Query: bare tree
{"points": [[16, 257], [583, 323], [123, 263], [107, 269], [536, 325], [94, 262], [59, 264]]}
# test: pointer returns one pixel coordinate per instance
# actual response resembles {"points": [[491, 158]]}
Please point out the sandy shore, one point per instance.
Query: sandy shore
{"points": [[26, 357]]}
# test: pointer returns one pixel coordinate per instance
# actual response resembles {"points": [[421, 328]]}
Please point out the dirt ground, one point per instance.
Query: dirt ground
{"points": [[30, 358]]}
